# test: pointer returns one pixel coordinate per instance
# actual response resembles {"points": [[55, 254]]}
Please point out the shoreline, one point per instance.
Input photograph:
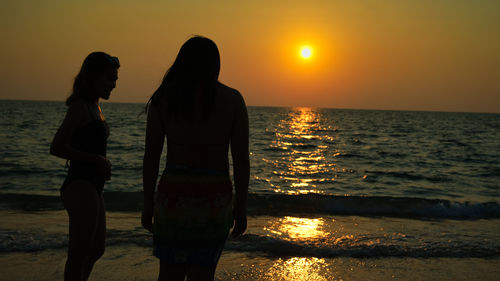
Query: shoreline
{"points": [[320, 236], [278, 205], [128, 254]]}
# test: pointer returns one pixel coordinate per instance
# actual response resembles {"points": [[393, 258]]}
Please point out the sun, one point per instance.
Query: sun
{"points": [[306, 52]]}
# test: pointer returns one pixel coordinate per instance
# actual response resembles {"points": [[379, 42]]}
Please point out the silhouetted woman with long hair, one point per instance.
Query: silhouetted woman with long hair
{"points": [[193, 208], [81, 139]]}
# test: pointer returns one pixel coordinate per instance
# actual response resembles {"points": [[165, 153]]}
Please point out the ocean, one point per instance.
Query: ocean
{"points": [[331, 190]]}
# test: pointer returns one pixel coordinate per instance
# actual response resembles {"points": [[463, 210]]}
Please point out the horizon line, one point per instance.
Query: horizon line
{"points": [[283, 106]]}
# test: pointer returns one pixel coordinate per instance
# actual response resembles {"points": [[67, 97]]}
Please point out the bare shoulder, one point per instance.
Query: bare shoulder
{"points": [[77, 107], [78, 111], [230, 95]]}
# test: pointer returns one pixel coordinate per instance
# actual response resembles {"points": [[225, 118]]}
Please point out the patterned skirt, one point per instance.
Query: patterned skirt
{"points": [[192, 217]]}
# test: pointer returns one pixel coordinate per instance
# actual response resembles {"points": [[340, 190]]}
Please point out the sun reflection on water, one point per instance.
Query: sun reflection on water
{"points": [[299, 268], [312, 231], [303, 147], [297, 228]]}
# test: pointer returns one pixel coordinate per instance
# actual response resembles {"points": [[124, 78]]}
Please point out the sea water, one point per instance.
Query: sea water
{"points": [[325, 183]]}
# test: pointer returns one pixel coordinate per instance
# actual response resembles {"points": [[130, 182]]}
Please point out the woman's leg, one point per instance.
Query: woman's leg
{"points": [[200, 273], [81, 201], [98, 245], [205, 261], [169, 272]]}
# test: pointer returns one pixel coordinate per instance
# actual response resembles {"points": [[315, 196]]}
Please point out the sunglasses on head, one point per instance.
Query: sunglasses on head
{"points": [[113, 60]]}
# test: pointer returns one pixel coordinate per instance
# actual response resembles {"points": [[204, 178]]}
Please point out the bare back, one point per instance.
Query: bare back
{"points": [[204, 144]]}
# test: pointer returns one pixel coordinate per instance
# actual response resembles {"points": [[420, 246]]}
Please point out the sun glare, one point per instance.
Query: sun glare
{"points": [[306, 52]]}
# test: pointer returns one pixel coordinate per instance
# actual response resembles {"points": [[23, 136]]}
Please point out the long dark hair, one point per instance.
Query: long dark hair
{"points": [[93, 66], [197, 66]]}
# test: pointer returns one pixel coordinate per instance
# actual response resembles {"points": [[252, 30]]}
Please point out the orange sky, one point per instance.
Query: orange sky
{"points": [[406, 55]]}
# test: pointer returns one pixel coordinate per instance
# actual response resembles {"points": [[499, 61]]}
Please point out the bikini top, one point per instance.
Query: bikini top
{"points": [[91, 137]]}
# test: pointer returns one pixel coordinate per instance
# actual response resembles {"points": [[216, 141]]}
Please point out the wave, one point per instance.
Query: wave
{"points": [[293, 145], [407, 176], [276, 247], [371, 206], [305, 146], [304, 204], [29, 171], [22, 241]]}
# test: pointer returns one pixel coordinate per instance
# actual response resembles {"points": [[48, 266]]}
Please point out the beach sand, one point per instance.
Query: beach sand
{"points": [[135, 262]]}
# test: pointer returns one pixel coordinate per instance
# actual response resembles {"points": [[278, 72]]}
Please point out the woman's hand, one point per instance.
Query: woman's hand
{"points": [[103, 166], [147, 219], [240, 222]]}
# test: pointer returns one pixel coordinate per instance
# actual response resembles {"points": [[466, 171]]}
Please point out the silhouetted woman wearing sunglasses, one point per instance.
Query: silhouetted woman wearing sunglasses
{"points": [[81, 139]]}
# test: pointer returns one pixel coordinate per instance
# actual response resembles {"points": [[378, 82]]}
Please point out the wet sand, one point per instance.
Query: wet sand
{"points": [[136, 263]]}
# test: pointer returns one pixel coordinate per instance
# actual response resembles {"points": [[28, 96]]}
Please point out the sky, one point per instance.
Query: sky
{"points": [[439, 55]]}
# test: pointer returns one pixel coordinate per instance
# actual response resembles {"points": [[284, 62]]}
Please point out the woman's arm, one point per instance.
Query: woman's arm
{"points": [[155, 137], [61, 144], [241, 166]]}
